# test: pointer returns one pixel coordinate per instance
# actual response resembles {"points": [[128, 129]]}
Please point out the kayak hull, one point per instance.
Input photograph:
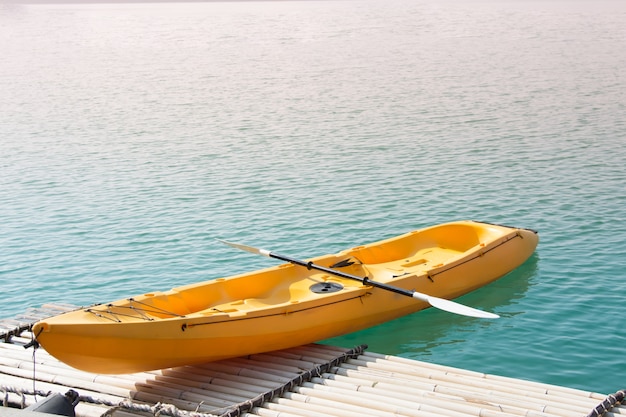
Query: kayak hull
{"points": [[286, 305]]}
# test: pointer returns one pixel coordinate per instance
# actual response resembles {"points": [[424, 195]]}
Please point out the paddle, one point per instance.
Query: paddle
{"points": [[440, 303]]}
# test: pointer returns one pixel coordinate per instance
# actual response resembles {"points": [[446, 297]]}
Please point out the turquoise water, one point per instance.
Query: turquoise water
{"points": [[133, 135]]}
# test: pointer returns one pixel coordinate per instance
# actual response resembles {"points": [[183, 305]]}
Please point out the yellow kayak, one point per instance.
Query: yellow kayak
{"points": [[289, 304]]}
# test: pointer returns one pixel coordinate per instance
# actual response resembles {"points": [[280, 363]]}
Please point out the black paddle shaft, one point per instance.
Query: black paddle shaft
{"points": [[365, 280]]}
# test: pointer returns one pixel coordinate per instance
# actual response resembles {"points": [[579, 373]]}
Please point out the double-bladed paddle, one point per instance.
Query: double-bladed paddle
{"points": [[440, 303]]}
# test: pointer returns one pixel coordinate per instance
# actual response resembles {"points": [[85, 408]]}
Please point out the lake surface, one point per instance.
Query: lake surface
{"points": [[132, 135]]}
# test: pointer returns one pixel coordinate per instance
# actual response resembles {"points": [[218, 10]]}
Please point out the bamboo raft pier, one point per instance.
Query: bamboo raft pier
{"points": [[309, 381]]}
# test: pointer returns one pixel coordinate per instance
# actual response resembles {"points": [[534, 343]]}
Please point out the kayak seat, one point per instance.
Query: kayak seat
{"points": [[447, 239], [291, 295]]}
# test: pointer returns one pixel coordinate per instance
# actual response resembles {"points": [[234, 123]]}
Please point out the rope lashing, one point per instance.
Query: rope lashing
{"points": [[158, 409], [6, 389], [135, 310], [609, 402]]}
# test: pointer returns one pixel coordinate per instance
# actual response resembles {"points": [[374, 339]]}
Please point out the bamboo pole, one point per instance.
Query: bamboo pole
{"points": [[282, 362], [469, 388], [207, 376], [232, 394], [271, 368], [339, 408], [448, 379], [264, 412], [54, 308], [453, 403], [409, 409], [495, 403], [311, 353], [215, 384], [502, 380], [242, 371], [311, 411]]}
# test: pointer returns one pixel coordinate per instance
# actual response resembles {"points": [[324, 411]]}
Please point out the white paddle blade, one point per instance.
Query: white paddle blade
{"points": [[452, 307], [246, 248]]}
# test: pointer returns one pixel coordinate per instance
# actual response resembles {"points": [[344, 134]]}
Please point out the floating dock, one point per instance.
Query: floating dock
{"points": [[313, 381]]}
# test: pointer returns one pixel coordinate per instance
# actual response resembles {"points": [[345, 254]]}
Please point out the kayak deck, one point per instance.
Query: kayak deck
{"points": [[413, 254]]}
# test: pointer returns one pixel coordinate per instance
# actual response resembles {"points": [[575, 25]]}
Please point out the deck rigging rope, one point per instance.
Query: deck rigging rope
{"points": [[609, 402], [149, 308], [141, 313]]}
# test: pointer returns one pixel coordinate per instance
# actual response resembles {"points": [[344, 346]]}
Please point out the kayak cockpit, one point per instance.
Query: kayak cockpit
{"points": [[447, 240]]}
